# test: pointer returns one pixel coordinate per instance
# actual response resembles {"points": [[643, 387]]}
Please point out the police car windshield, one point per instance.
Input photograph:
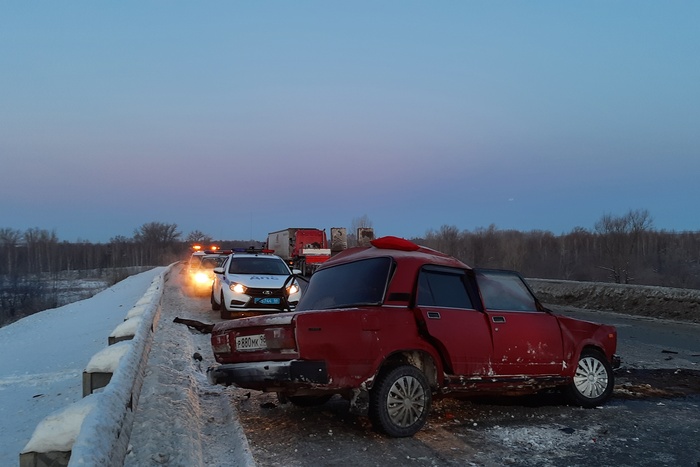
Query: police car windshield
{"points": [[211, 263], [257, 265]]}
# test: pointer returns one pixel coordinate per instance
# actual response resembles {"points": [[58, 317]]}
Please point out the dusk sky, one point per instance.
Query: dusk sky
{"points": [[240, 118]]}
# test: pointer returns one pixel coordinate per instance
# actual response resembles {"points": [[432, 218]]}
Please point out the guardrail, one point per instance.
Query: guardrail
{"points": [[96, 429]]}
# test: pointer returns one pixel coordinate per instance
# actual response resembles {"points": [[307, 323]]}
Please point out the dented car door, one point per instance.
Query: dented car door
{"points": [[527, 339], [446, 310]]}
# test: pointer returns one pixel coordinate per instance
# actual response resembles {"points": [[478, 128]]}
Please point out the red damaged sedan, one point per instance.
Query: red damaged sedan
{"points": [[395, 324]]}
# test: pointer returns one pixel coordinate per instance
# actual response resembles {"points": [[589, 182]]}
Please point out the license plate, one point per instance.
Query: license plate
{"points": [[255, 342], [267, 301]]}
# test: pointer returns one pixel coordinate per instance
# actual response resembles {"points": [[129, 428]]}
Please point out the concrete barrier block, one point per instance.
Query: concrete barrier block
{"points": [[102, 366], [125, 330], [44, 459], [95, 381], [52, 442]]}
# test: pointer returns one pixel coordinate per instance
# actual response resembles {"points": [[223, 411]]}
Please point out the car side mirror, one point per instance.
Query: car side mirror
{"points": [[296, 271], [218, 270]]}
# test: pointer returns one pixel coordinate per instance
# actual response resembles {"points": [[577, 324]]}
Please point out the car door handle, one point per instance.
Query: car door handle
{"points": [[499, 319], [433, 315]]}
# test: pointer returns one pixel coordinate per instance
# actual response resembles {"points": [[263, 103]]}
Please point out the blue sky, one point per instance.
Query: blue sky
{"points": [[240, 118]]}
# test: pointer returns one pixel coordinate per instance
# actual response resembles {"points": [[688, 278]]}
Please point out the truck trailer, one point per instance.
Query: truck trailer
{"points": [[302, 248]]}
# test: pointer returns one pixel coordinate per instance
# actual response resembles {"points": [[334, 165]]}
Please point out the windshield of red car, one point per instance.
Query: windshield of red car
{"points": [[347, 285]]}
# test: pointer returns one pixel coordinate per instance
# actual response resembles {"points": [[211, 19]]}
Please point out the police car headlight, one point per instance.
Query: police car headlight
{"points": [[237, 288], [292, 289]]}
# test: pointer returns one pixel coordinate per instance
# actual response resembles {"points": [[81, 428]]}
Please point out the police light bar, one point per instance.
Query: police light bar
{"points": [[218, 252], [253, 250]]}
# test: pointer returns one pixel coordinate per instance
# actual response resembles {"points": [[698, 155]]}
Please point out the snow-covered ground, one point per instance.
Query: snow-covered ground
{"points": [[45, 354]]}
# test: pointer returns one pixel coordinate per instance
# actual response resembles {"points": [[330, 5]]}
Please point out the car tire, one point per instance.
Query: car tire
{"points": [[214, 306], [593, 381], [225, 314], [400, 401]]}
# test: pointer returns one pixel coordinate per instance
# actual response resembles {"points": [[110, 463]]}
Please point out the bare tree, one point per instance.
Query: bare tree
{"points": [[574, 253], [41, 249], [121, 252], [619, 237], [198, 237], [512, 249], [9, 241], [484, 247], [158, 240], [448, 240]]}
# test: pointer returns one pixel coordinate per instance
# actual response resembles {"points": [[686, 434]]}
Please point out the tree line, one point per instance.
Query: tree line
{"points": [[38, 251], [34, 263], [622, 249]]}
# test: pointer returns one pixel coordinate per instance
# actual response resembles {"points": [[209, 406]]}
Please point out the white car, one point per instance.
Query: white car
{"points": [[200, 271], [254, 283]]}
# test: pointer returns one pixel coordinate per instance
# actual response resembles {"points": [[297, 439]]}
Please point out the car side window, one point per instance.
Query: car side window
{"points": [[442, 288], [504, 290]]}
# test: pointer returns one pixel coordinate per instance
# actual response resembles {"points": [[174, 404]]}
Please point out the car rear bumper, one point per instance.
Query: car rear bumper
{"points": [[240, 308], [248, 312], [259, 375]]}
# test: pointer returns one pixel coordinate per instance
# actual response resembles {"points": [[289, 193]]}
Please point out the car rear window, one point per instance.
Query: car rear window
{"points": [[346, 285]]}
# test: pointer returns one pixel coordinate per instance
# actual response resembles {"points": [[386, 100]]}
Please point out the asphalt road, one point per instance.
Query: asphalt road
{"points": [[653, 418], [649, 342]]}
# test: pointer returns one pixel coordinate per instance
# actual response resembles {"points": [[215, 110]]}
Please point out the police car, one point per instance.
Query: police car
{"points": [[200, 270], [253, 282]]}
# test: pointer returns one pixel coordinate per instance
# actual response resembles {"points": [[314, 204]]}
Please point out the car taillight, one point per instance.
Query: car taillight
{"points": [[280, 338], [220, 344]]}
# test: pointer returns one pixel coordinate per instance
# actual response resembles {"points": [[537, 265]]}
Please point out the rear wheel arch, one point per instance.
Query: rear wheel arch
{"points": [[420, 359]]}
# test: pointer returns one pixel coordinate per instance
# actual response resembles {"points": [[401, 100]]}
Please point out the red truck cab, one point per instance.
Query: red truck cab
{"points": [[304, 249], [392, 325]]}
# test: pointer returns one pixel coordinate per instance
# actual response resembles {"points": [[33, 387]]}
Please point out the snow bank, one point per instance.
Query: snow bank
{"points": [[58, 431], [103, 421], [641, 300], [137, 310], [127, 329], [107, 360]]}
